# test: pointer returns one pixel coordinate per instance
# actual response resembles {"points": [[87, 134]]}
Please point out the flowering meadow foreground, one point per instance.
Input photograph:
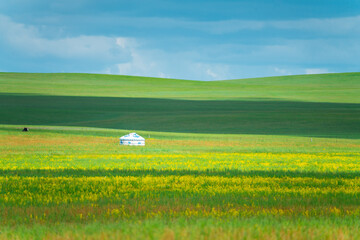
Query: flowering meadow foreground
{"points": [[75, 182]]}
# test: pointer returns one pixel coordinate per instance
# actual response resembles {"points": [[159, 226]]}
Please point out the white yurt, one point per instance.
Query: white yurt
{"points": [[132, 139]]}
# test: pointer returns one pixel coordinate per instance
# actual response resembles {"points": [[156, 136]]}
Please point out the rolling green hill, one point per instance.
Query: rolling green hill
{"points": [[340, 87], [326, 105]]}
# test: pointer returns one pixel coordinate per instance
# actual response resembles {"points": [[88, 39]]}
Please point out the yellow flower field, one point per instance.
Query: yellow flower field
{"points": [[169, 180], [322, 162]]}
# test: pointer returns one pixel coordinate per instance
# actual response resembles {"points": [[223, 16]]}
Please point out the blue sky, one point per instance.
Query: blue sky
{"points": [[198, 39]]}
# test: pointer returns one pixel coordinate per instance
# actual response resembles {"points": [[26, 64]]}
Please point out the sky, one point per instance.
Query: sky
{"points": [[188, 39]]}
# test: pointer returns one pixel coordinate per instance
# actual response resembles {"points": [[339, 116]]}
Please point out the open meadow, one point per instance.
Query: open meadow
{"points": [[269, 158]]}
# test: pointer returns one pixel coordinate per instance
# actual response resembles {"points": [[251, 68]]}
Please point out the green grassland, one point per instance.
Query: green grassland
{"points": [[267, 158], [317, 105], [72, 182], [338, 88]]}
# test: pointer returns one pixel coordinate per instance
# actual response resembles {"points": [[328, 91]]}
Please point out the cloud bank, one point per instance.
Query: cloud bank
{"points": [[183, 48]]}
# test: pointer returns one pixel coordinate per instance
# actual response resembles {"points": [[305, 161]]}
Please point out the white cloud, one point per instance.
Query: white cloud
{"points": [[210, 61], [122, 55], [336, 26], [214, 27], [226, 26], [282, 71], [157, 63], [316, 70], [215, 71], [139, 65], [28, 40], [163, 75], [333, 26], [211, 73]]}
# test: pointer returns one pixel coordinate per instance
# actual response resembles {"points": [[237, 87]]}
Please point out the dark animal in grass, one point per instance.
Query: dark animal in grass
{"points": [[25, 130]]}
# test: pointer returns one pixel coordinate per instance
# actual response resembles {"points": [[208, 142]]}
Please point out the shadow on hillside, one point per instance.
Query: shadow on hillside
{"points": [[268, 117], [179, 172]]}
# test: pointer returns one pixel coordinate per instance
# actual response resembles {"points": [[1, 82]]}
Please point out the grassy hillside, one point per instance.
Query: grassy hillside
{"points": [[340, 88], [223, 160], [311, 105]]}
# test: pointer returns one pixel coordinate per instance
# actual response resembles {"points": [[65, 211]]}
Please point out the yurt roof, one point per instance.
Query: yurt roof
{"points": [[133, 137]]}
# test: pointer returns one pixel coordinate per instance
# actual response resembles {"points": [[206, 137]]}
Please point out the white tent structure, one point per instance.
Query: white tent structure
{"points": [[132, 139]]}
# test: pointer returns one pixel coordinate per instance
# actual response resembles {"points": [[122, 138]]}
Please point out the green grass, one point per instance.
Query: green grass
{"points": [[311, 105], [270, 158], [72, 182], [339, 88], [212, 229]]}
